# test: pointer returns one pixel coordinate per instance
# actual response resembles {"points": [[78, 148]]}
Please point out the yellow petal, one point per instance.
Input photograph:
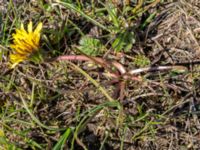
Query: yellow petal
{"points": [[1, 133], [38, 28], [30, 27], [22, 26], [16, 59], [13, 65], [25, 43], [20, 34]]}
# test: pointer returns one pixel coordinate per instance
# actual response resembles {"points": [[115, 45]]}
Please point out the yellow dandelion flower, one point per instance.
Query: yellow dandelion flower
{"points": [[25, 43]]}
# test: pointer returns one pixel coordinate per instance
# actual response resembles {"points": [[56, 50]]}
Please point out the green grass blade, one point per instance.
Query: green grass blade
{"points": [[72, 7], [88, 115], [95, 83], [60, 144], [34, 118]]}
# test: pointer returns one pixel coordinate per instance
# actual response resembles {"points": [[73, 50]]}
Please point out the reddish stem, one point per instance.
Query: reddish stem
{"points": [[104, 63], [108, 66]]}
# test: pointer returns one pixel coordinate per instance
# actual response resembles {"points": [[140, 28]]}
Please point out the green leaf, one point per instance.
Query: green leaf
{"points": [[124, 41], [90, 46], [141, 61]]}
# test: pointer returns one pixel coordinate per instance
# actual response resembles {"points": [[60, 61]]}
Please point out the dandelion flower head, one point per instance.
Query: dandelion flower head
{"points": [[25, 43]]}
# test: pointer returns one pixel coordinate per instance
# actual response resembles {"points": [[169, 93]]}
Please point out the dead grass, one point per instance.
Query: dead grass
{"points": [[60, 105]]}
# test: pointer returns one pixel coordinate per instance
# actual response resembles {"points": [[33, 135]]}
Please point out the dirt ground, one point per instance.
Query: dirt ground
{"points": [[157, 110]]}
